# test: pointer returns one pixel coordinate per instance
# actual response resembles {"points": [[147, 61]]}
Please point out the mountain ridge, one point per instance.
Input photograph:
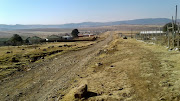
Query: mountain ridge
{"points": [[146, 21]]}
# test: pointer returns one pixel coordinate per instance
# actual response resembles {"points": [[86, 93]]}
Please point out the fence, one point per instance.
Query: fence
{"points": [[171, 39]]}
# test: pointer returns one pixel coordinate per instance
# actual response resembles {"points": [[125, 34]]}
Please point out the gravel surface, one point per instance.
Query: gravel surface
{"points": [[45, 79]]}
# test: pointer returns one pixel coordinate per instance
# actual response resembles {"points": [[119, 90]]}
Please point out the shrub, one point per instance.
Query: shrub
{"points": [[16, 40]]}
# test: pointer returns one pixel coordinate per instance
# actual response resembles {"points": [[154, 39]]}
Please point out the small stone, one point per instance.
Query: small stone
{"points": [[163, 99], [99, 64], [110, 94], [124, 37], [54, 96], [170, 84], [8, 52], [120, 88], [124, 95], [101, 93], [112, 66], [81, 91], [7, 95]]}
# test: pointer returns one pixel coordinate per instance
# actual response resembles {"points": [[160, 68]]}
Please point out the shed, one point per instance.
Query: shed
{"points": [[54, 38]]}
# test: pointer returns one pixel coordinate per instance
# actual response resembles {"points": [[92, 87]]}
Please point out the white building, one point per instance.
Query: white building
{"points": [[151, 32]]}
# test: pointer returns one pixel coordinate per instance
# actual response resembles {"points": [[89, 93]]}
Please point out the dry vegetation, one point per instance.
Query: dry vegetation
{"points": [[113, 68], [130, 70], [13, 58]]}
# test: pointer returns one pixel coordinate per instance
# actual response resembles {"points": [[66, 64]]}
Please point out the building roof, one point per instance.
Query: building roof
{"points": [[151, 32], [53, 37]]}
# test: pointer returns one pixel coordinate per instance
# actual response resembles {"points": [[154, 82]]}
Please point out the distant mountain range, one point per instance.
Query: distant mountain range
{"points": [[148, 21]]}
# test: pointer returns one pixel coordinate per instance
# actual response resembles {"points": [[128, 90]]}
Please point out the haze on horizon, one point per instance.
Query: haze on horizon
{"points": [[75, 11]]}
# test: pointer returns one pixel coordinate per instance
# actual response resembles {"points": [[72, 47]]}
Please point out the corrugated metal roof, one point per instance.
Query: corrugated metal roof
{"points": [[151, 32]]}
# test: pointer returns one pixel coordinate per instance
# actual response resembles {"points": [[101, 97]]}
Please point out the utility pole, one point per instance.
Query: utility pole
{"points": [[176, 16]]}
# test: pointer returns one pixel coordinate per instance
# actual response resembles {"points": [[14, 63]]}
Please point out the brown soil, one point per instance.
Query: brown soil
{"points": [[45, 79], [131, 70], [123, 70]]}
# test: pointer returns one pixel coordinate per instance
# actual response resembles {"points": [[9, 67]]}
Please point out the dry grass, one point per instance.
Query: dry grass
{"points": [[131, 69], [13, 58]]}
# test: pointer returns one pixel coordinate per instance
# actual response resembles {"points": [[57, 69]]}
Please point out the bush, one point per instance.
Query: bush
{"points": [[169, 25], [16, 40]]}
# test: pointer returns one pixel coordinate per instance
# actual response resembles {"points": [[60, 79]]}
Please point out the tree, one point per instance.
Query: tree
{"points": [[16, 40], [27, 40], [75, 33], [170, 25]]}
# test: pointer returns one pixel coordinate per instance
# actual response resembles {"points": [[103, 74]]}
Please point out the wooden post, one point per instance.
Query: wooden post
{"points": [[173, 34], [168, 37], [131, 33], [178, 36]]}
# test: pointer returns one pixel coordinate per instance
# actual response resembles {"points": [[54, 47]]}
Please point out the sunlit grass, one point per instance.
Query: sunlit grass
{"points": [[13, 58]]}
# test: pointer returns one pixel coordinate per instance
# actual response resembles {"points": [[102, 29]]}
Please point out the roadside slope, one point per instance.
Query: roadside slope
{"points": [[131, 70]]}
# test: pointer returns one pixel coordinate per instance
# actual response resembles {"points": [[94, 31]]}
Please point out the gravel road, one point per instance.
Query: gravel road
{"points": [[45, 79]]}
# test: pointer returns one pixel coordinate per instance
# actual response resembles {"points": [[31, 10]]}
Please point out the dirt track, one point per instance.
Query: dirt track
{"points": [[47, 78], [130, 71]]}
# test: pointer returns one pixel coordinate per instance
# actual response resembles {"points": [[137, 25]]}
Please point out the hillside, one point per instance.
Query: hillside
{"points": [[148, 21]]}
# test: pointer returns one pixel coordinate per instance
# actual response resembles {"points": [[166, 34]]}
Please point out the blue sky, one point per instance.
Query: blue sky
{"points": [[74, 11]]}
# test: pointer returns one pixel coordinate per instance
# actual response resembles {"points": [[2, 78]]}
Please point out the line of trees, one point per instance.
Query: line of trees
{"points": [[16, 39]]}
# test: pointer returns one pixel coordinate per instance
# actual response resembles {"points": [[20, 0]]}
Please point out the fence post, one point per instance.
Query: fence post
{"points": [[173, 34], [168, 37], [178, 36]]}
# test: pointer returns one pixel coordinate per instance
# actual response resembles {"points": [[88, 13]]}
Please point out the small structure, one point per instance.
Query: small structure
{"points": [[53, 38], [147, 35], [67, 37], [86, 35], [151, 32]]}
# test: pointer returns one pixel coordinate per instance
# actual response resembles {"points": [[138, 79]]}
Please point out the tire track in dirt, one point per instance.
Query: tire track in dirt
{"points": [[45, 79]]}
